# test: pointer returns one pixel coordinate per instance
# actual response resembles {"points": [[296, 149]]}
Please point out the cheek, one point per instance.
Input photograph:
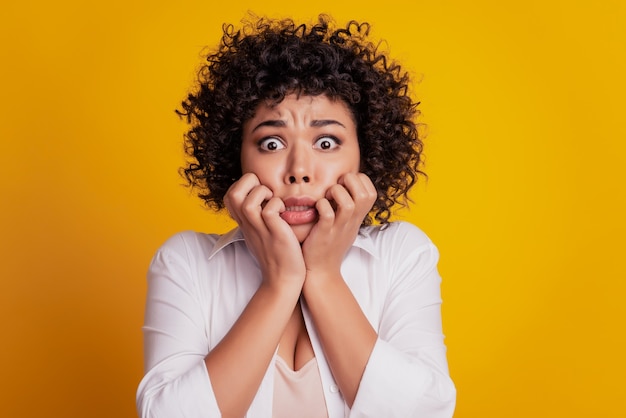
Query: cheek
{"points": [[268, 172], [356, 161], [337, 170], [352, 161]]}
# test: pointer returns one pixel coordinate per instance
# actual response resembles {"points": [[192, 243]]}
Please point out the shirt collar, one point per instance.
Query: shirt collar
{"points": [[228, 238], [363, 241]]}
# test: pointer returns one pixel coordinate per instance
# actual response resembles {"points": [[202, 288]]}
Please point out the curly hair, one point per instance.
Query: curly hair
{"points": [[269, 59]]}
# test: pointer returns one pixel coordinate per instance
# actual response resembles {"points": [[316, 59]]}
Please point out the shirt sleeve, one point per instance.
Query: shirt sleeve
{"points": [[407, 373], [176, 381]]}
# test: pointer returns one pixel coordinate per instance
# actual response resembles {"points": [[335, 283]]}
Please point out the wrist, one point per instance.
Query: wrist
{"points": [[283, 288], [321, 282]]}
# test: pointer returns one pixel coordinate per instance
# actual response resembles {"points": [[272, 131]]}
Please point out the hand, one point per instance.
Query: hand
{"points": [[335, 232], [269, 238]]}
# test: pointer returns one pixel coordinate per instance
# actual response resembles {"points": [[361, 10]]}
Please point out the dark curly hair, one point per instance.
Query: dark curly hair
{"points": [[269, 59]]}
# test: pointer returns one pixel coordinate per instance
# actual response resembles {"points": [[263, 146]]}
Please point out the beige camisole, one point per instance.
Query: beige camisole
{"points": [[298, 393]]}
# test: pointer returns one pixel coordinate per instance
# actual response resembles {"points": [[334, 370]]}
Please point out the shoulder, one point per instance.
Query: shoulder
{"points": [[407, 254], [398, 235], [187, 247], [399, 244], [189, 242], [196, 246], [182, 258]]}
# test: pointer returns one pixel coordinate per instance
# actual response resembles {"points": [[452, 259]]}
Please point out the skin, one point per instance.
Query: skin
{"points": [[299, 203]]}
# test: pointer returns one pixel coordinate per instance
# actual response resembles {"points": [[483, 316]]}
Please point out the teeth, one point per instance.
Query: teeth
{"points": [[297, 208]]}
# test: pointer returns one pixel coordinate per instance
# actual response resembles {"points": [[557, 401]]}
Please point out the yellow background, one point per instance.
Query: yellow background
{"points": [[526, 201]]}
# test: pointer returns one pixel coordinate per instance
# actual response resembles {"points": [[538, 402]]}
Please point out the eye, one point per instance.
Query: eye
{"points": [[271, 144], [327, 143]]}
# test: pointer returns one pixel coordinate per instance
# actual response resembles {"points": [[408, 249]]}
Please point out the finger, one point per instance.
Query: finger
{"points": [[252, 206], [326, 213], [271, 215], [343, 202], [369, 186], [362, 191], [237, 193], [358, 185]]}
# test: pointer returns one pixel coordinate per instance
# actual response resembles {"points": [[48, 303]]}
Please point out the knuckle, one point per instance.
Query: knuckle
{"points": [[248, 208], [349, 206], [326, 215], [362, 195], [235, 195]]}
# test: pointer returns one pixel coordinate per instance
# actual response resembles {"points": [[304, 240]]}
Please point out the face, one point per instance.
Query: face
{"points": [[299, 148]]}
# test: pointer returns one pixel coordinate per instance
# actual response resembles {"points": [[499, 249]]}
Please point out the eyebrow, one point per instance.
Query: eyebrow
{"points": [[277, 123]]}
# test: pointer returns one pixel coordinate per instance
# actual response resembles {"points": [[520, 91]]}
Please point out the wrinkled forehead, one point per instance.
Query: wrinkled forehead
{"points": [[273, 103]]}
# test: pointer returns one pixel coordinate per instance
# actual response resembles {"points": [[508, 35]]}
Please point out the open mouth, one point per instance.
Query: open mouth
{"points": [[298, 215], [300, 208]]}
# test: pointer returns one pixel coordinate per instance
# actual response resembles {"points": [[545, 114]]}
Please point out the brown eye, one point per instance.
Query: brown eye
{"points": [[271, 144], [326, 143]]}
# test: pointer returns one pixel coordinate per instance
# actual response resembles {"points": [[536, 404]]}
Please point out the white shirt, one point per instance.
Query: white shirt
{"points": [[198, 285]]}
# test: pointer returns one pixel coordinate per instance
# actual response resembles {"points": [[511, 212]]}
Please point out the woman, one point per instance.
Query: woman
{"points": [[305, 134]]}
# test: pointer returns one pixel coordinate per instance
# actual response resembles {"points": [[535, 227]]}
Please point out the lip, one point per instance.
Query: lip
{"points": [[299, 210]]}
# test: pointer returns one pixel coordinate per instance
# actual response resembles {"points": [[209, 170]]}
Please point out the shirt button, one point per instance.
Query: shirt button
{"points": [[334, 388]]}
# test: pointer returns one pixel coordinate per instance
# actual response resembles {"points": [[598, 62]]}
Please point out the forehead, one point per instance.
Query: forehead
{"points": [[308, 106]]}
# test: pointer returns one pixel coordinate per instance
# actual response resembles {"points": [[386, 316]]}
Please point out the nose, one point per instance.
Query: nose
{"points": [[294, 179], [299, 167]]}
